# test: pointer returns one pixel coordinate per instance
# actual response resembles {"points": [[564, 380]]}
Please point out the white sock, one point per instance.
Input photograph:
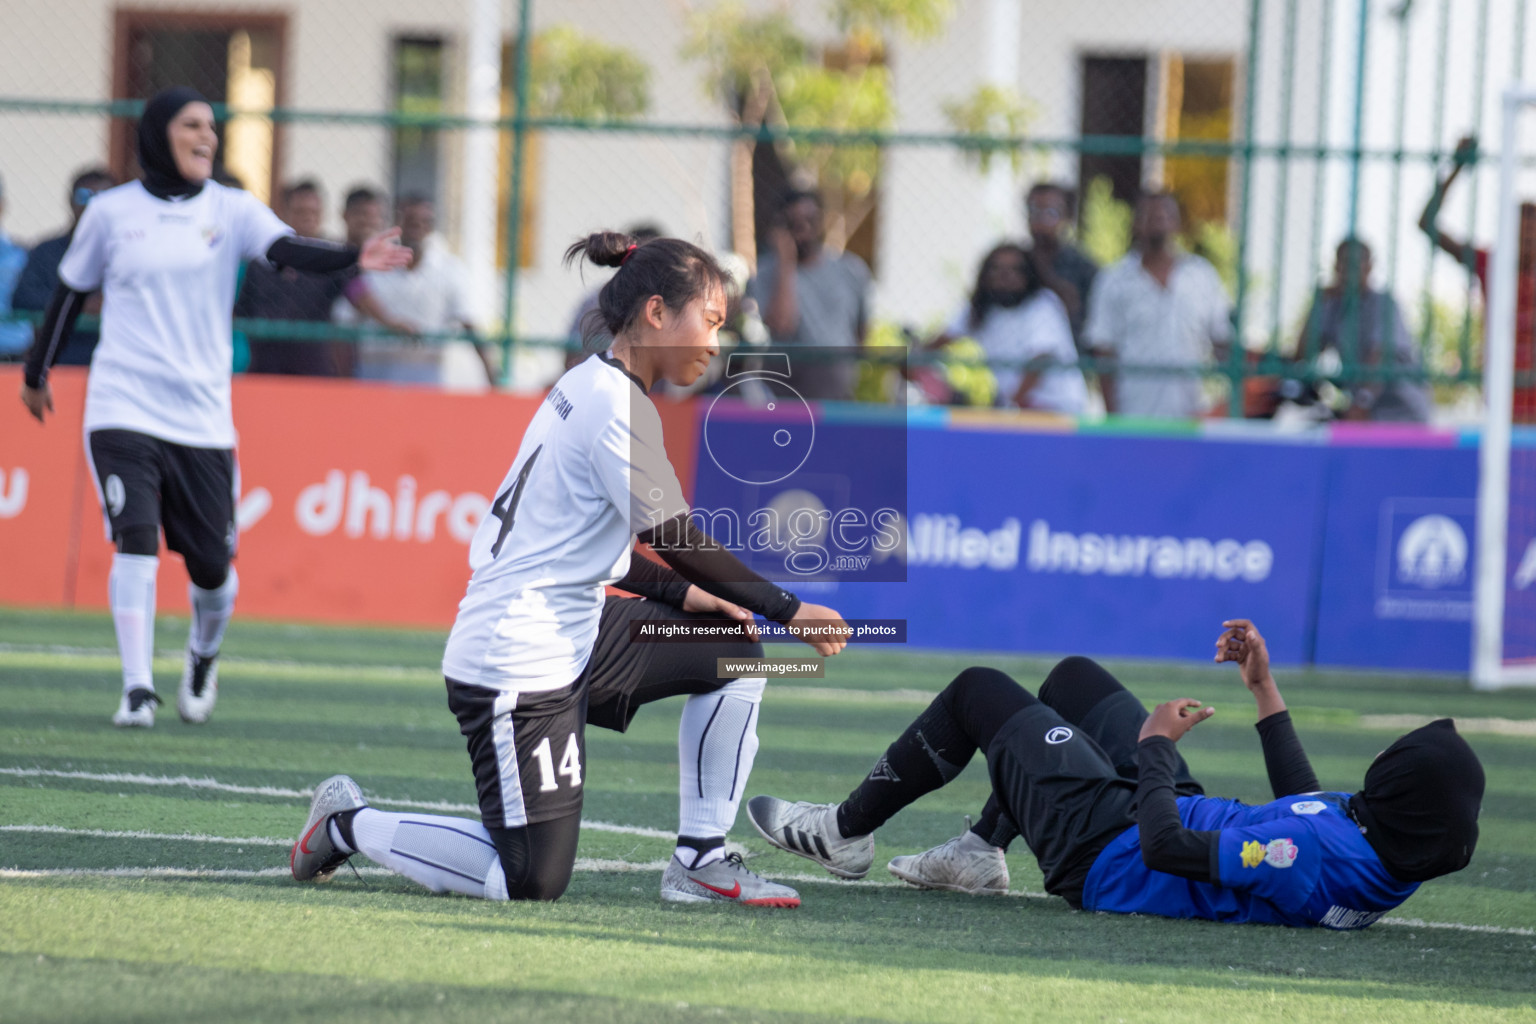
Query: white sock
{"points": [[444, 854], [131, 592], [716, 744], [211, 610]]}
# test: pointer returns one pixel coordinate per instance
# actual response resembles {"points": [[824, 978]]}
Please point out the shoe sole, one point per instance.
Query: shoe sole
{"points": [[922, 884], [784, 902], [778, 844], [132, 724]]}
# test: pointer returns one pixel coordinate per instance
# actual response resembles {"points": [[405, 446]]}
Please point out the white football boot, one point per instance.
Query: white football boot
{"points": [[810, 830]]}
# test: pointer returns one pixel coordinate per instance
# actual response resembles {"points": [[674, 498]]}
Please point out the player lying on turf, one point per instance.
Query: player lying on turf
{"points": [[1098, 790], [537, 652]]}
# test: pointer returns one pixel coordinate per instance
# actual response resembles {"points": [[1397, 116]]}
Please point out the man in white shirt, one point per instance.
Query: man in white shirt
{"points": [[1157, 307], [430, 296]]}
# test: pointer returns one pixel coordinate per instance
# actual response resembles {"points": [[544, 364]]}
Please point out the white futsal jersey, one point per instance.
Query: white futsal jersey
{"points": [[591, 473], [166, 270]]}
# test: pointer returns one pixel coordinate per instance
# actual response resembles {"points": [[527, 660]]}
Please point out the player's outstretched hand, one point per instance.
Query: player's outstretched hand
{"points": [[703, 602], [820, 627], [38, 400], [1174, 719], [384, 252], [1241, 641]]}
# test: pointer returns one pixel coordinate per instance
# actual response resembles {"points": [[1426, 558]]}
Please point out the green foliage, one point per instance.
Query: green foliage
{"points": [[916, 19], [576, 76], [1445, 327], [742, 52], [845, 101], [1216, 243], [994, 116], [1106, 223]]}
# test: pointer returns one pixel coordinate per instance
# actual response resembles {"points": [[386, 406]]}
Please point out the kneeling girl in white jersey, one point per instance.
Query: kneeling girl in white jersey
{"points": [[538, 651]]}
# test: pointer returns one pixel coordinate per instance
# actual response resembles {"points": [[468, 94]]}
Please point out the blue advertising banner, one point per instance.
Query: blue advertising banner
{"points": [[1520, 570], [1396, 586], [1115, 546]]}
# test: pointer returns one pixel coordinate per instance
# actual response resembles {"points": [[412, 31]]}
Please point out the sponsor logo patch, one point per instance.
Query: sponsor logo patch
{"points": [[1308, 807], [1277, 853]]}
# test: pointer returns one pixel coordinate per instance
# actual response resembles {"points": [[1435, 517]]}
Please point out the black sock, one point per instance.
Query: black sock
{"points": [[701, 846], [933, 750], [343, 820], [994, 825]]}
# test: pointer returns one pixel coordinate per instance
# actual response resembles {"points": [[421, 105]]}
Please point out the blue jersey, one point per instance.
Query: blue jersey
{"points": [[1297, 861]]}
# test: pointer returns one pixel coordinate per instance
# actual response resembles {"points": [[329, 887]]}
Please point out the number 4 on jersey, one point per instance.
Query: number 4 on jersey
{"points": [[505, 507], [570, 764]]}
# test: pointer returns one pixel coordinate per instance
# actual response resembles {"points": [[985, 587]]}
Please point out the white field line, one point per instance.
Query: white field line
{"points": [[587, 864], [172, 659], [185, 837], [1496, 726], [188, 782]]}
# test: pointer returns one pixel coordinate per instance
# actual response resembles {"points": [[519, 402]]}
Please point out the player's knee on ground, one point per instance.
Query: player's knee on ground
{"points": [[537, 860], [1076, 685], [982, 699], [139, 540]]}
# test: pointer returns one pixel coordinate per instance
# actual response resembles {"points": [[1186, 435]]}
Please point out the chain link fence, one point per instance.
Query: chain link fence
{"points": [[1282, 127]]}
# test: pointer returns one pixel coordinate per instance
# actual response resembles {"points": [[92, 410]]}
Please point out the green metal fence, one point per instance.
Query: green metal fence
{"points": [[1332, 119]]}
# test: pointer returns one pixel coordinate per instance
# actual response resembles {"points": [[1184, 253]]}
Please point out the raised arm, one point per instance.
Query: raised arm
{"points": [[1466, 153], [1286, 762]]}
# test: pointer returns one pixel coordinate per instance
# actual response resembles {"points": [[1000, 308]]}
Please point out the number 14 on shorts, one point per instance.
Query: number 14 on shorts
{"points": [[570, 764]]}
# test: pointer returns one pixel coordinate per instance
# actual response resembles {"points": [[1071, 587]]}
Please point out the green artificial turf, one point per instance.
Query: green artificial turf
{"points": [[219, 932]]}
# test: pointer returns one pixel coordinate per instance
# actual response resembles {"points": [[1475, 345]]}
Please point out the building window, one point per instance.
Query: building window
{"points": [[419, 86], [233, 59]]}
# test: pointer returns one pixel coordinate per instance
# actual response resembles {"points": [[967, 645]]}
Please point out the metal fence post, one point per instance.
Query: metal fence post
{"points": [[515, 197], [1237, 348]]}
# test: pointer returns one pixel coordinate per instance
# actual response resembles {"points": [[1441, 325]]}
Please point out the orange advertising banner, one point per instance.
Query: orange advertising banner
{"points": [[357, 500]]}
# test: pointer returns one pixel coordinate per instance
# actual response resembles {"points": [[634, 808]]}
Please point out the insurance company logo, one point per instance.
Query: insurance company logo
{"points": [[1432, 552], [1424, 559]]}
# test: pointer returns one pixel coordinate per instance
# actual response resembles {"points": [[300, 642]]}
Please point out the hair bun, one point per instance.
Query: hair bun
{"points": [[603, 248]]}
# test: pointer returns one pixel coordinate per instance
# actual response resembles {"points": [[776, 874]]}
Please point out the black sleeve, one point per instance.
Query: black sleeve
{"points": [[312, 255], [58, 324], [1166, 845], [649, 579], [1289, 770], [705, 562]]}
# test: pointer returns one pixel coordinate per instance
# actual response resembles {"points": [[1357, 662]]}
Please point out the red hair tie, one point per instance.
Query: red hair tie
{"points": [[628, 253]]}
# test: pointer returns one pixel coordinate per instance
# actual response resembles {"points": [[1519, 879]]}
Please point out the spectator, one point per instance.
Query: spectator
{"points": [[41, 275], [363, 214], [824, 303], [1351, 318], [1022, 325], [1476, 260], [1157, 307], [15, 336], [270, 293], [1065, 269], [429, 297], [600, 341]]}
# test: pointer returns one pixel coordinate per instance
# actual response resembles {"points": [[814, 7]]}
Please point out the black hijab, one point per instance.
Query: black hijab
{"points": [[161, 178], [1419, 807]]}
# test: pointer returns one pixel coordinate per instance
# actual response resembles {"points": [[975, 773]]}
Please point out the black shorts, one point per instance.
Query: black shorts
{"points": [[143, 481], [1063, 792], [529, 750]]}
